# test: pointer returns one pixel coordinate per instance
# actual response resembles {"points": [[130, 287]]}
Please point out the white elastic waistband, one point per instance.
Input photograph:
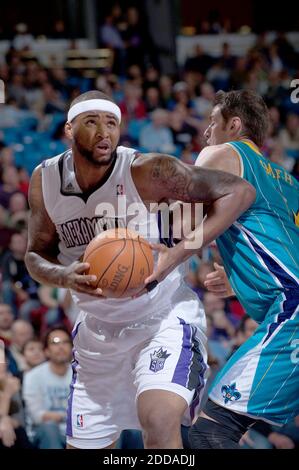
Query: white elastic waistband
{"points": [[94, 105]]}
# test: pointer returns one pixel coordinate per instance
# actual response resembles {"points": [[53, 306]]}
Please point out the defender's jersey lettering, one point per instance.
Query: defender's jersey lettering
{"points": [[260, 250]]}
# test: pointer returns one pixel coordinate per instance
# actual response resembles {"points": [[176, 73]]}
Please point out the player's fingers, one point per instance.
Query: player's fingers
{"points": [[214, 275], [90, 291], [214, 282], [154, 277], [85, 279], [218, 289], [218, 267], [81, 267], [158, 247]]}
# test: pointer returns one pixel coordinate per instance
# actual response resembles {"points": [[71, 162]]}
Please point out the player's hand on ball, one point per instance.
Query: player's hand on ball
{"points": [[74, 277], [218, 283], [166, 263]]}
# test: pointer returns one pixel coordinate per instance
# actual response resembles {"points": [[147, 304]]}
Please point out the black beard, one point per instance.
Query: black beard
{"points": [[88, 155]]}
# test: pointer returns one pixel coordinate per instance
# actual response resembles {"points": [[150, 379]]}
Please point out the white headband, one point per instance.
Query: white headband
{"points": [[94, 105]]}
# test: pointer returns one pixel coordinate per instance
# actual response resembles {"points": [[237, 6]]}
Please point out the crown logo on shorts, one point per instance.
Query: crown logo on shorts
{"points": [[158, 359]]}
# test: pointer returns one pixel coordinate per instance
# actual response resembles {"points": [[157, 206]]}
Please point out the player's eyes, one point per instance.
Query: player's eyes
{"points": [[111, 123], [91, 121]]}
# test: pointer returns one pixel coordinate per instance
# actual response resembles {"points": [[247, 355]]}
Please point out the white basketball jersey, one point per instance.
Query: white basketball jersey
{"points": [[79, 217]]}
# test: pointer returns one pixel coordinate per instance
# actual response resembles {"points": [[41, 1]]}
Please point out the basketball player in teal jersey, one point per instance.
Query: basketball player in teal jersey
{"points": [[260, 256]]}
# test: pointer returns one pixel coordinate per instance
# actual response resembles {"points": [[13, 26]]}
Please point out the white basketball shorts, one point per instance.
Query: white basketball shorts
{"points": [[112, 366]]}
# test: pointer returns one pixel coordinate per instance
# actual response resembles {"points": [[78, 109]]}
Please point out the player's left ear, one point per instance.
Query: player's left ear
{"points": [[236, 125], [68, 130]]}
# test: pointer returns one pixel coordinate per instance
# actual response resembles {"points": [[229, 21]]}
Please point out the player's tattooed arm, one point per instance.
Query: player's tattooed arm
{"points": [[42, 250], [159, 177], [162, 177]]}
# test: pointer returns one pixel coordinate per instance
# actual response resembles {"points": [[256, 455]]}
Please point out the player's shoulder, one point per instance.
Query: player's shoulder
{"points": [[213, 152], [125, 151], [48, 162], [220, 157]]}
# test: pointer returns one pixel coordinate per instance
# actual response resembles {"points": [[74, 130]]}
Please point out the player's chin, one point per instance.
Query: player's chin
{"points": [[101, 157]]}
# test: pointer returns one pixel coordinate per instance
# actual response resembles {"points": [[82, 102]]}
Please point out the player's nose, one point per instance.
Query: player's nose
{"points": [[102, 130], [207, 133]]}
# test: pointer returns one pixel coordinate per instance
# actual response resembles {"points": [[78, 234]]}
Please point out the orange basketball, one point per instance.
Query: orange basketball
{"points": [[121, 260]]}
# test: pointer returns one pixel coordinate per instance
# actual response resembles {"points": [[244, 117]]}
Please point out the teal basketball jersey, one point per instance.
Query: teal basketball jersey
{"points": [[260, 251]]}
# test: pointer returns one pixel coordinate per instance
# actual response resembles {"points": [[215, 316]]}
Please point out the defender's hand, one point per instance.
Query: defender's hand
{"points": [[218, 283]]}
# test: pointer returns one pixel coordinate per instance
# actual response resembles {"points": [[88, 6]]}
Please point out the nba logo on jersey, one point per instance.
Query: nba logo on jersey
{"points": [[119, 190], [80, 421], [158, 360]]}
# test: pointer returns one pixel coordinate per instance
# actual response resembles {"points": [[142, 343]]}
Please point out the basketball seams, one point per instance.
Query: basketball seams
{"points": [[140, 244], [133, 264], [99, 247], [114, 258]]}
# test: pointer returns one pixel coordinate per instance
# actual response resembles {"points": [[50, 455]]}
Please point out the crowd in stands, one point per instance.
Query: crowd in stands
{"points": [[160, 113]]}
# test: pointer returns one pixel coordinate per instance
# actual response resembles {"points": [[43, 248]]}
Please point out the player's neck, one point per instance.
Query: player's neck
{"points": [[89, 176]]}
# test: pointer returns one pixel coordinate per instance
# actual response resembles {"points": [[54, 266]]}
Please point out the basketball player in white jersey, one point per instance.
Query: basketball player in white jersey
{"points": [[137, 363]]}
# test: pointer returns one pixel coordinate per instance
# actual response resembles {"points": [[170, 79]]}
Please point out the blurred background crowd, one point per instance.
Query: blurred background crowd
{"points": [[164, 110]]}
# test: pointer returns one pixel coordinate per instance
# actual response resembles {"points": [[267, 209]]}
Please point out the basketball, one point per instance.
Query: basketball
{"points": [[121, 260]]}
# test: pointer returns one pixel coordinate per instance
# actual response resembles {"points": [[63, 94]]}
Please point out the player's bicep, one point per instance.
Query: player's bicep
{"points": [[42, 235]]}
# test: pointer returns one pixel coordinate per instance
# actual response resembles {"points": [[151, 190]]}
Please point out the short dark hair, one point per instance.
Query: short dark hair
{"points": [[91, 95], [249, 107], [56, 328], [31, 340]]}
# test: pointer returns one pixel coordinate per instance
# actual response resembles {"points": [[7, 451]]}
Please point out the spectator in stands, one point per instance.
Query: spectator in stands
{"points": [[53, 101], [23, 40], [289, 136], [152, 99], [6, 321], [182, 132], [110, 37], [10, 185], [33, 353], [12, 432], [18, 212], [156, 136], [244, 331], [20, 291], [21, 332], [165, 86], [132, 106], [204, 103], [134, 38], [46, 389], [199, 62]]}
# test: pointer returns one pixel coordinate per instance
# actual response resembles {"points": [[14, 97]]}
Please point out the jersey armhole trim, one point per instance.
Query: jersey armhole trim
{"points": [[240, 159]]}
